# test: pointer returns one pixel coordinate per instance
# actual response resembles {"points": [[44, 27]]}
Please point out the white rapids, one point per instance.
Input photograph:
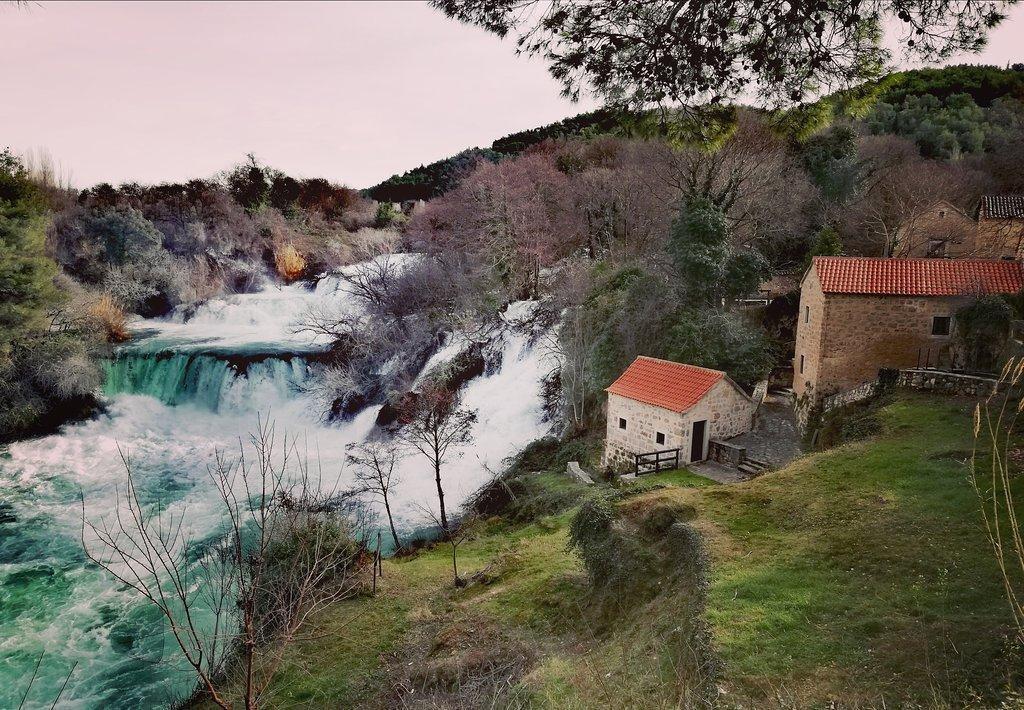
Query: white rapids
{"points": [[175, 401]]}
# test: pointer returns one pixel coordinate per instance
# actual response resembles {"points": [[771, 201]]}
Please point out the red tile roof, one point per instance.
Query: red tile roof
{"points": [[671, 385], [917, 277]]}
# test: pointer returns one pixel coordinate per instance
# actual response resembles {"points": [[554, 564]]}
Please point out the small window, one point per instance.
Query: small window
{"points": [[807, 314], [936, 248], [801, 364], [659, 438], [942, 213], [940, 325], [622, 423]]}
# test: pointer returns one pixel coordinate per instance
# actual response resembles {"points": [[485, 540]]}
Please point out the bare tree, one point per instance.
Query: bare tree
{"points": [[570, 345], [374, 463], [287, 552], [433, 423], [454, 535]]}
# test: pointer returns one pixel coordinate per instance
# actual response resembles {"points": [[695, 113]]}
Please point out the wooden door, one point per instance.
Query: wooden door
{"points": [[697, 440]]}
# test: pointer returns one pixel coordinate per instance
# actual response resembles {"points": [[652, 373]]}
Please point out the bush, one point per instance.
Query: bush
{"points": [[110, 319], [523, 498], [122, 233], [982, 328], [290, 264], [646, 565], [850, 423], [387, 216]]}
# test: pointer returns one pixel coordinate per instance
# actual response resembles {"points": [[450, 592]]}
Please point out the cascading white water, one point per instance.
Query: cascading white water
{"points": [[195, 382]]}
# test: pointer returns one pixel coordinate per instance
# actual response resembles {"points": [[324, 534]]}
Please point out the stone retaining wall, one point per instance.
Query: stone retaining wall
{"points": [[857, 394], [725, 453], [947, 382]]}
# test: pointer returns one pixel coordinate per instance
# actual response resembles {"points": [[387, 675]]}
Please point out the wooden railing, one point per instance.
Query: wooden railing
{"points": [[656, 461]]}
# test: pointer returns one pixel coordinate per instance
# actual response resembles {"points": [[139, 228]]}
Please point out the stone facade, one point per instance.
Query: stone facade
{"points": [[843, 340], [999, 238], [725, 408], [941, 231], [945, 231], [842, 399]]}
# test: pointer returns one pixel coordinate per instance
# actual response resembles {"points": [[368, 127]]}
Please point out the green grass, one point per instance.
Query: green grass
{"points": [[858, 575], [862, 572]]}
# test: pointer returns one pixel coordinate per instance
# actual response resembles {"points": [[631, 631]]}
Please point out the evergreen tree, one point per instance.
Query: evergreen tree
{"points": [[708, 267], [26, 272]]}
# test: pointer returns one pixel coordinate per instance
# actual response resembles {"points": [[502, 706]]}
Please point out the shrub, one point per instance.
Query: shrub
{"points": [[110, 319], [523, 499], [123, 233], [387, 216], [290, 264], [646, 565], [982, 328], [850, 423]]}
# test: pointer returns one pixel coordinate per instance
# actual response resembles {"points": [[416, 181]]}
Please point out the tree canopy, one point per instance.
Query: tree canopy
{"points": [[635, 54]]}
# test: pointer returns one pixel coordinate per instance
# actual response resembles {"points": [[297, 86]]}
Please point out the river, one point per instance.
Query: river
{"points": [[187, 385]]}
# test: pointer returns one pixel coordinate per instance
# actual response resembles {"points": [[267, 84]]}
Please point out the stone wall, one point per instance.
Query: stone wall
{"points": [[725, 453], [857, 394], [643, 422], [953, 383], [999, 239], [862, 334], [924, 379], [808, 337]]}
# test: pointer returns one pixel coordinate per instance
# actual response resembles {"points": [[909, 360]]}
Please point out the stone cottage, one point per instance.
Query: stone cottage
{"points": [[943, 230], [860, 314], [994, 231], [656, 405]]}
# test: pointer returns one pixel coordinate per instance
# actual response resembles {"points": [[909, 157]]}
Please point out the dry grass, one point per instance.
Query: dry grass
{"points": [[110, 318], [289, 262]]}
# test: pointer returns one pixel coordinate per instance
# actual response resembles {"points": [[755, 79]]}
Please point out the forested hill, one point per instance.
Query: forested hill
{"points": [[984, 85], [438, 177]]}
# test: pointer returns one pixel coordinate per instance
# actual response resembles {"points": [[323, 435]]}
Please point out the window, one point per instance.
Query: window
{"points": [[622, 423], [659, 438], [801, 364], [807, 314], [942, 213], [941, 325], [936, 248]]}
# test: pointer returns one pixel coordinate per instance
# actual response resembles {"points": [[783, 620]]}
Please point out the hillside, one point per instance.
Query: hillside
{"points": [[438, 177], [858, 575], [984, 84]]}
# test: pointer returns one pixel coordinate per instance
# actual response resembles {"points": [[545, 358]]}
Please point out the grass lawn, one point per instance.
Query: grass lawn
{"points": [[859, 576], [860, 573]]}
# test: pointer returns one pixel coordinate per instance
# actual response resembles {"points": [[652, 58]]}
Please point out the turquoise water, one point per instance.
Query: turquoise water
{"points": [[189, 388]]}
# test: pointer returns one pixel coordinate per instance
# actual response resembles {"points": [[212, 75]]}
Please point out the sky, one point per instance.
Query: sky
{"points": [[351, 91]]}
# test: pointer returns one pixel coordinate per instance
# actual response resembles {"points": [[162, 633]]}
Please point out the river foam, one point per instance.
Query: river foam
{"points": [[195, 383]]}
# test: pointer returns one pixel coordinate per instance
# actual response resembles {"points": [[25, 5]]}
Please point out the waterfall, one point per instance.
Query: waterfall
{"points": [[190, 385], [206, 380]]}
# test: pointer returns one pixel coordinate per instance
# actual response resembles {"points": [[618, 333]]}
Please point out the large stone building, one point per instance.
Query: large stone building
{"points": [[942, 230], [1000, 233], [656, 405], [860, 314], [995, 231]]}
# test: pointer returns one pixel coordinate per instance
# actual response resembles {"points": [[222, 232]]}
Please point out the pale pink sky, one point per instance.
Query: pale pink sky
{"points": [[349, 91]]}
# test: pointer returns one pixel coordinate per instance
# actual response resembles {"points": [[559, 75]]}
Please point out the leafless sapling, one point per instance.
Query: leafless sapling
{"points": [[433, 423]]}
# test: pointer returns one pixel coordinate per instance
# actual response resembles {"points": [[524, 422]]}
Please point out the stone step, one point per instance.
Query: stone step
{"points": [[753, 467]]}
